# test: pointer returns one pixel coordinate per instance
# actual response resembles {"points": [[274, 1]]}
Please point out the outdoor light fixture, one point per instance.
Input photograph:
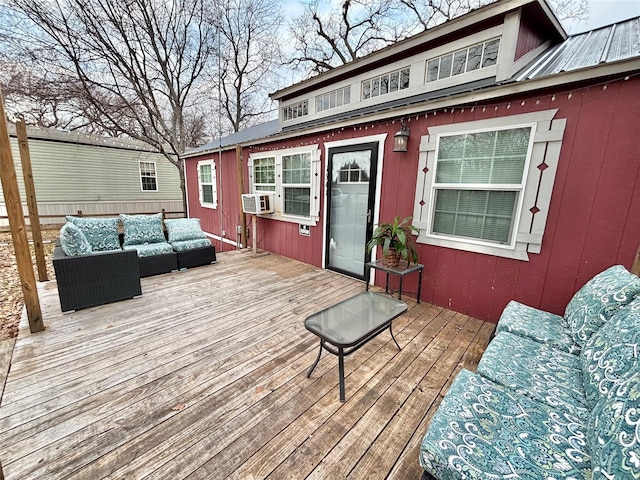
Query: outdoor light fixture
{"points": [[400, 139]]}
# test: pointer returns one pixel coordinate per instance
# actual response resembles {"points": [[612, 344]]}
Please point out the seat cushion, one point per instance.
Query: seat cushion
{"points": [[599, 300], [538, 325], [542, 373], [614, 431], [73, 241], [151, 249], [142, 229], [101, 233], [482, 430], [181, 246], [182, 229], [611, 352]]}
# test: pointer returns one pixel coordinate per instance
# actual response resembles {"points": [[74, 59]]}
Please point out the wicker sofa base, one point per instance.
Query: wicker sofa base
{"points": [[158, 264], [90, 280], [196, 257]]}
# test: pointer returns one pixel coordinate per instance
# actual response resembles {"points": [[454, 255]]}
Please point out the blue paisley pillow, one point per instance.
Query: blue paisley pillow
{"points": [[142, 229], [101, 233], [180, 229], [611, 353], [73, 241], [599, 300]]}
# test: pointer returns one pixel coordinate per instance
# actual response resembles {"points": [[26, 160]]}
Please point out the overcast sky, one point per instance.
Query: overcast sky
{"points": [[605, 12]]}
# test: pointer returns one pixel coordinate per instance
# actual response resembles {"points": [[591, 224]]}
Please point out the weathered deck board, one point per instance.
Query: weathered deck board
{"points": [[204, 376]]}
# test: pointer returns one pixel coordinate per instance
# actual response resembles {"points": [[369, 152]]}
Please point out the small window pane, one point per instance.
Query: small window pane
{"points": [[459, 62], [432, 70], [297, 201], [475, 56], [347, 95], [394, 81], [375, 87], [384, 85], [207, 193], [445, 66], [366, 89], [404, 79], [490, 53]]}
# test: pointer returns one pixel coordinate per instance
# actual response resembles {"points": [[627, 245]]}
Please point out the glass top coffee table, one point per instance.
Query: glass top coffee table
{"points": [[346, 326]]}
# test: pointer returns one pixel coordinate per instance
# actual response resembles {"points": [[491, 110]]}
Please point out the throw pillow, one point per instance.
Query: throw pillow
{"points": [[180, 229], [73, 241], [142, 229], [101, 233], [599, 300]]}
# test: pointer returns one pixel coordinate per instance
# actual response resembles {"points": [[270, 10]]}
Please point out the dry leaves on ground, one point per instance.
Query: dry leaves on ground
{"points": [[11, 299]]}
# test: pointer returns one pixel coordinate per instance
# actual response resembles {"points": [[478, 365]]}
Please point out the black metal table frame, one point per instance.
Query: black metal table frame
{"points": [[376, 265], [342, 351]]}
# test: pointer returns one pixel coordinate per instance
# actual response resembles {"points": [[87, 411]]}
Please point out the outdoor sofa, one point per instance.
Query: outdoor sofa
{"points": [[553, 397], [96, 264]]}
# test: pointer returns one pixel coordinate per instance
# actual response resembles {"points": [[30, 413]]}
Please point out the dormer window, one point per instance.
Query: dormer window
{"points": [[295, 110], [336, 98], [387, 83], [473, 58]]}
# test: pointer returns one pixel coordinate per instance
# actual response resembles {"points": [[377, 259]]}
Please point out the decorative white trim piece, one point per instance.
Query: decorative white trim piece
{"points": [[533, 203], [214, 184]]}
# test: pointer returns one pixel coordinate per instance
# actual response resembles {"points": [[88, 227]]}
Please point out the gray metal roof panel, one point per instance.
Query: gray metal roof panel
{"points": [[249, 134], [620, 41]]}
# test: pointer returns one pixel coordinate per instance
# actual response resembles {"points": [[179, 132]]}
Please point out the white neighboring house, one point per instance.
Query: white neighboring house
{"points": [[96, 175]]}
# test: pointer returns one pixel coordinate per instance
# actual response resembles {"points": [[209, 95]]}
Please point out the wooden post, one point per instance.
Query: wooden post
{"points": [[17, 225], [243, 217], [32, 204]]}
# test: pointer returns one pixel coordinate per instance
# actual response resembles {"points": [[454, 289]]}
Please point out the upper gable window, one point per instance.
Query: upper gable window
{"points": [[337, 98], [387, 83], [295, 110], [473, 58]]}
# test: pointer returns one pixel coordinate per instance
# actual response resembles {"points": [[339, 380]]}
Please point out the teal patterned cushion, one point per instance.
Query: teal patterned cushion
{"points": [[73, 241], [101, 233], [190, 244], [612, 352], [142, 229], [538, 325], [484, 431], [614, 431], [598, 300], [530, 368], [180, 229], [150, 249]]}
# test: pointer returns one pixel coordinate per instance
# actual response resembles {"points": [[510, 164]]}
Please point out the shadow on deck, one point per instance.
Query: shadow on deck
{"points": [[204, 376]]}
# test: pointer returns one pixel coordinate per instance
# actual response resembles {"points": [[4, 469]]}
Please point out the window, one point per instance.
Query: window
{"points": [[387, 83], [485, 186], [352, 173], [148, 180], [264, 174], [207, 184], [472, 58], [294, 175], [295, 110], [337, 98]]}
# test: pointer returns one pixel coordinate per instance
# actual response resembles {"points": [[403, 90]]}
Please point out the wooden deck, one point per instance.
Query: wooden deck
{"points": [[204, 376]]}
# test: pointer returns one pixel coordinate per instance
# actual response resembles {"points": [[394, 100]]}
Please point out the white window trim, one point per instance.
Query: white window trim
{"points": [[213, 205], [155, 171], [529, 227], [279, 214]]}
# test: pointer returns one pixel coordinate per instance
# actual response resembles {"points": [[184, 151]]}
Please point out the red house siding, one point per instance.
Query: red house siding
{"points": [[593, 221], [529, 37]]}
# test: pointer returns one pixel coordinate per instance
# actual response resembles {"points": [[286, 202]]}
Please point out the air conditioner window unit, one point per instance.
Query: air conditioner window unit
{"points": [[258, 203]]}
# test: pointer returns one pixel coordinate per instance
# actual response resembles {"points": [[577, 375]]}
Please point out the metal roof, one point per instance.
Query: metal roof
{"points": [[620, 41], [243, 136]]}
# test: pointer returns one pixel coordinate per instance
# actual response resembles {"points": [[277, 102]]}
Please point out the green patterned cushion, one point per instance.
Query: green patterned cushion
{"points": [[538, 325], [542, 373], [180, 229], [73, 241], [101, 233], [190, 244], [611, 352], [142, 229], [598, 300], [150, 249], [484, 431], [614, 431]]}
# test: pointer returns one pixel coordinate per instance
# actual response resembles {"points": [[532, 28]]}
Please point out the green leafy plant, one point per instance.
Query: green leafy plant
{"points": [[396, 236]]}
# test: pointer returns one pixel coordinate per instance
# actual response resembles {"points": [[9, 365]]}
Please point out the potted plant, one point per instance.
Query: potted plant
{"points": [[395, 239]]}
